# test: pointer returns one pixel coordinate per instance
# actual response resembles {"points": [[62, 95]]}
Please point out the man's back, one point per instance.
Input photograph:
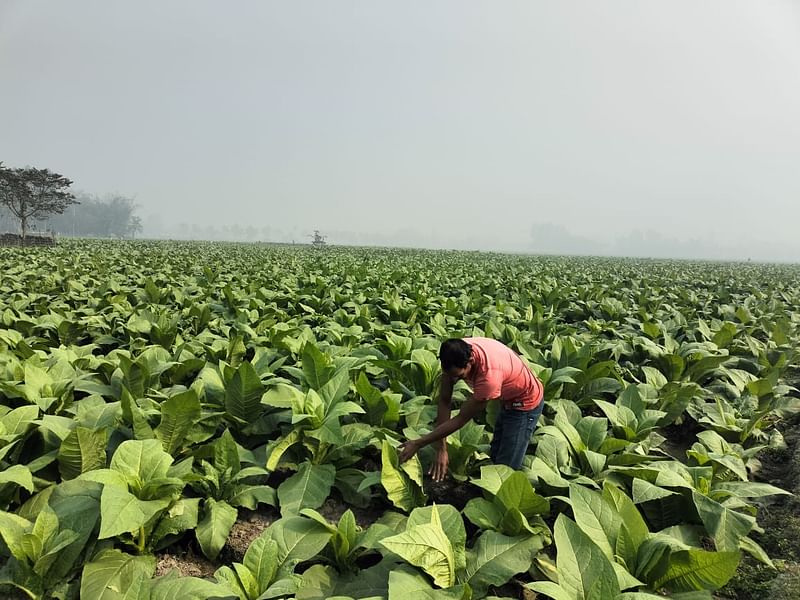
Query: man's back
{"points": [[498, 372]]}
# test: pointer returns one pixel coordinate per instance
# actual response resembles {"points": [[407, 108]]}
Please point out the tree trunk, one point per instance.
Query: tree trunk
{"points": [[24, 223]]}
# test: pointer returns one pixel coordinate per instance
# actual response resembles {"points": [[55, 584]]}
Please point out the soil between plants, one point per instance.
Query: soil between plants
{"points": [[780, 519]]}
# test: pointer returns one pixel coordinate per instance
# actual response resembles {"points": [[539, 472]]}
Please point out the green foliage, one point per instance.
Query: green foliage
{"points": [[511, 506], [270, 560], [436, 544], [402, 482], [225, 485], [114, 575], [139, 490], [48, 546], [144, 397]]}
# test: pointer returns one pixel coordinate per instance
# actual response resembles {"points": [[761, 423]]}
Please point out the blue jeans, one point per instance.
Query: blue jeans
{"points": [[512, 434]]}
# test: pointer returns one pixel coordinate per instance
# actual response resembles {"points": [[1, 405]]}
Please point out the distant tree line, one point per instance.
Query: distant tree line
{"points": [[110, 216], [40, 200]]}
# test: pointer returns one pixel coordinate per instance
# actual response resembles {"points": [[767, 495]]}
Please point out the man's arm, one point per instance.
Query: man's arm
{"points": [[469, 409], [445, 401]]}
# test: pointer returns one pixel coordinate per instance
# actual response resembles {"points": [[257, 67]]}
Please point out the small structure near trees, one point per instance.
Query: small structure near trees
{"points": [[30, 194], [317, 239], [46, 238]]}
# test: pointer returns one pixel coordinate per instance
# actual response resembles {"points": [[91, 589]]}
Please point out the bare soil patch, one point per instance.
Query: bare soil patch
{"points": [[450, 491], [187, 563], [779, 516], [248, 527], [333, 508]]}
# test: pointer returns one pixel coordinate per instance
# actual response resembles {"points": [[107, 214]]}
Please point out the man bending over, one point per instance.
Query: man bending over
{"points": [[494, 372]]}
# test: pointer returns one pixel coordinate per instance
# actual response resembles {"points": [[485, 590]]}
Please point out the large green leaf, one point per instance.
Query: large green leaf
{"points": [[298, 539], [81, 451], [261, 559], [37, 388], [745, 489], [47, 540], [140, 461], [496, 558], [77, 505], [404, 585], [492, 477], [568, 430], [632, 527], [122, 512], [665, 561], [213, 529], [552, 590], [403, 483], [250, 496], [244, 587], [452, 525], [317, 367], [135, 416], [322, 582], [596, 517], [171, 587], [243, 394], [13, 529], [19, 474], [308, 488], [483, 514], [282, 446], [428, 547], [282, 395], [728, 527], [516, 492], [662, 507], [178, 415], [593, 431], [181, 516], [694, 569], [18, 420], [336, 388], [584, 571], [111, 573]]}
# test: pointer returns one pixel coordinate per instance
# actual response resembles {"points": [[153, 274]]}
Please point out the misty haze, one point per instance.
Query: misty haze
{"points": [[371, 300], [642, 129]]}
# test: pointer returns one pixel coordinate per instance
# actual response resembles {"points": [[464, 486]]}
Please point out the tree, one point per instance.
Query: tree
{"points": [[110, 216], [31, 193], [120, 218], [135, 226]]}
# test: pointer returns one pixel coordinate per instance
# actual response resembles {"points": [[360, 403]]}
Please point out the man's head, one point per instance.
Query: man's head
{"points": [[456, 357]]}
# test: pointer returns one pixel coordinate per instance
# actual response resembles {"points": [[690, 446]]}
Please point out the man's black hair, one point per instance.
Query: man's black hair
{"points": [[454, 352]]}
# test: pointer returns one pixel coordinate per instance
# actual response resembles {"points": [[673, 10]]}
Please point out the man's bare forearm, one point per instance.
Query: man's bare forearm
{"points": [[445, 400]]}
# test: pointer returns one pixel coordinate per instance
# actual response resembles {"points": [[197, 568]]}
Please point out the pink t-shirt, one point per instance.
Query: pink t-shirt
{"points": [[498, 372]]}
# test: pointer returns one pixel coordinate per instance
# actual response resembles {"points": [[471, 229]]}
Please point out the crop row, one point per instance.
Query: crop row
{"points": [[151, 391]]}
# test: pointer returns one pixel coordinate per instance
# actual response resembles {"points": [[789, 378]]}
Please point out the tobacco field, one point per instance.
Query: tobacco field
{"points": [[160, 398]]}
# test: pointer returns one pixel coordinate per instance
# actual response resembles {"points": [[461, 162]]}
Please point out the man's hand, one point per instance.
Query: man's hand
{"points": [[408, 449], [438, 469]]}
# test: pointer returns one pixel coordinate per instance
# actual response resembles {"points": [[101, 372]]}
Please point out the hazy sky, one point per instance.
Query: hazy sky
{"points": [[494, 124]]}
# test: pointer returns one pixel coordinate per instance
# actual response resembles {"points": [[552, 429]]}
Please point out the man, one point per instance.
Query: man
{"points": [[495, 372]]}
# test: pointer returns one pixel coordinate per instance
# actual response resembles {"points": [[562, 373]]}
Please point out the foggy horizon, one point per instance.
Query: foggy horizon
{"points": [[664, 130]]}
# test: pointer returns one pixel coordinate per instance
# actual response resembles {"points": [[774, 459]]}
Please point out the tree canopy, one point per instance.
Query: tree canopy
{"points": [[31, 193]]}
